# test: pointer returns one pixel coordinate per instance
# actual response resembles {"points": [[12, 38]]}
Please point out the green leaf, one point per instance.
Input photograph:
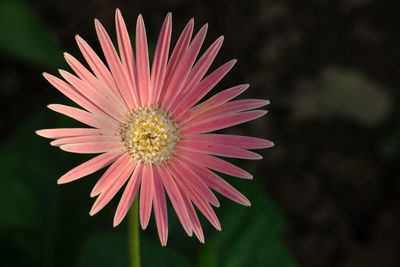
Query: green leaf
{"points": [[249, 236], [23, 35]]}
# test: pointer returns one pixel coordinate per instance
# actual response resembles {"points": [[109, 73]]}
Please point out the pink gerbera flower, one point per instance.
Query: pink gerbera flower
{"points": [[147, 126]]}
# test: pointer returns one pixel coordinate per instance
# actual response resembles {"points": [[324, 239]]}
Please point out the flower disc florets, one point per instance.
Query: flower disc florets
{"points": [[150, 135]]}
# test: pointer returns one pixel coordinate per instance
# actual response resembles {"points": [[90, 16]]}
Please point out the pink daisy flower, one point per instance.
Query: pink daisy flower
{"points": [[147, 126]]}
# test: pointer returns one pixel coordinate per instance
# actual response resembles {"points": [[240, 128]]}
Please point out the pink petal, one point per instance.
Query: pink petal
{"points": [[126, 51], [176, 56], [90, 166], [83, 116], [200, 203], [68, 132], [160, 207], [176, 166], [245, 142], [176, 198], [219, 184], [146, 196], [219, 99], [238, 106], [183, 69], [107, 178], [95, 96], [215, 163], [217, 149], [198, 71], [142, 61], [203, 88], [98, 67], [86, 139], [230, 107], [198, 231], [73, 94], [119, 72], [89, 148], [110, 192], [129, 194], [220, 122], [160, 59], [87, 76]]}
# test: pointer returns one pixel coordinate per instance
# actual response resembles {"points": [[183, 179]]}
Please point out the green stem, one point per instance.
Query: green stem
{"points": [[133, 231]]}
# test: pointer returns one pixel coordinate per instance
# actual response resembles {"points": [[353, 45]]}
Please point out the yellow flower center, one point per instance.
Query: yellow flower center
{"points": [[150, 135]]}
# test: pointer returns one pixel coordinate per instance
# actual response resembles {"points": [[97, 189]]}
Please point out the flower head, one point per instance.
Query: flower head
{"points": [[148, 126]]}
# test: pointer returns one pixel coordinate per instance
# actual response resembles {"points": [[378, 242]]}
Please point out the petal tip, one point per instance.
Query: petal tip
{"points": [[272, 144], [52, 143], [61, 181], [143, 225], [51, 106], [38, 132], [116, 222]]}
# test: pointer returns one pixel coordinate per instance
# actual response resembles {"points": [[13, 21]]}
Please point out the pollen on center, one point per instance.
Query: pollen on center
{"points": [[150, 135]]}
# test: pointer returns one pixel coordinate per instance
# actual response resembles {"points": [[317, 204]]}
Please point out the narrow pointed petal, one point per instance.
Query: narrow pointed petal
{"points": [[114, 170], [110, 191], [98, 67], [142, 60], [219, 98], [211, 103], [68, 132], [160, 59], [89, 148], [198, 231], [160, 207], [220, 122], [200, 203], [118, 71], [186, 173], [198, 71], [217, 149], [219, 184], [216, 164], [126, 51], [175, 198], [176, 56], [146, 196], [92, 80], [237, 106], [90, 167], [227, 108], [95, 96], [73, 94], [203, 88], [82, 116], [129, 194], [182, 71], [86, 139], [224, 188], [244, 142]]}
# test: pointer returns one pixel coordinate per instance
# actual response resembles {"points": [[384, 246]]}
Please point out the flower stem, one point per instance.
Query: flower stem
{"points": [[133, 231]]}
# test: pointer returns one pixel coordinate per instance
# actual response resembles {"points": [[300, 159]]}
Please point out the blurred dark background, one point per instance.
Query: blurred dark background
{"points": [[325, 195]]}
